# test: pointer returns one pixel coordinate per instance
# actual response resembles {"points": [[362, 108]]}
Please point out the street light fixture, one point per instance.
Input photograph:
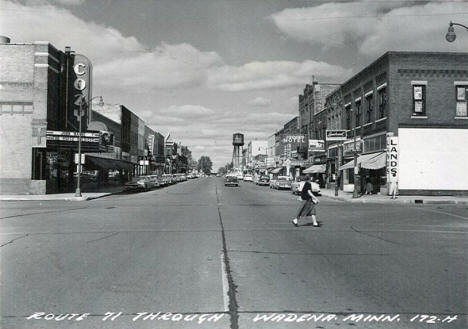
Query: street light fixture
{"points": [[78, 182], [451, 36]]}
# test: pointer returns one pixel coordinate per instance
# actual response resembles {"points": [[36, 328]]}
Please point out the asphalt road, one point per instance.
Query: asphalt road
{"points": [[201, 255]]}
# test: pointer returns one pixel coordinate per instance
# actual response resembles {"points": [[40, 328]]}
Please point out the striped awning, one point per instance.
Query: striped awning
{"points": [[362, 161], [377, 162], [316, 169], [276, 170]]}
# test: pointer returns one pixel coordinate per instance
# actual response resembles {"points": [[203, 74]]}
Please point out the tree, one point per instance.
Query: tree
{"points": [[205, 164]]}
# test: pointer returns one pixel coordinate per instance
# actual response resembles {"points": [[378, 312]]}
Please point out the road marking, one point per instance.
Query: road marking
{"points": [[443, 212], [224, 279]]}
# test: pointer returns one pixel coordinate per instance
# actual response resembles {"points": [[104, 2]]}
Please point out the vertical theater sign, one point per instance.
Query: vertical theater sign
{"points": [[80, 91]]}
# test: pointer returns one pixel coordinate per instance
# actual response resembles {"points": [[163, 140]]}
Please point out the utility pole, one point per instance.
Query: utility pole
{"points": [[78, 183]]}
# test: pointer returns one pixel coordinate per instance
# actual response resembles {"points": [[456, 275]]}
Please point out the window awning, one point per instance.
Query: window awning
{"points": [[315, 169], [108, 163], [276, 170], [363, 159], [377, 162]]}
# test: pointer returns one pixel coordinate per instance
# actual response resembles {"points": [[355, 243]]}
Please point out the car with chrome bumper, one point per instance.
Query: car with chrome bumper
{"points": [[282, 183], [231, 181]]}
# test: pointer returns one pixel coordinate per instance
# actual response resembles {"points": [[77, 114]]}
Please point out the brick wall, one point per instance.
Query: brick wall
{"points": [[30, 82], [440, 71]]}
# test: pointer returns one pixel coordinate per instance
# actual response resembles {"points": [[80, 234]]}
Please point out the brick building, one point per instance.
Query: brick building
{"points": [[417, 101], [40, 89]]}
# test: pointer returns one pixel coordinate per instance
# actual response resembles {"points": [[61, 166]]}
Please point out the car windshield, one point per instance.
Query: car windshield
{"points": [[283, 178]]}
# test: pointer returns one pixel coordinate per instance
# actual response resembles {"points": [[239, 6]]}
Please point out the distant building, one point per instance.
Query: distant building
{"points": [[256, 154]]}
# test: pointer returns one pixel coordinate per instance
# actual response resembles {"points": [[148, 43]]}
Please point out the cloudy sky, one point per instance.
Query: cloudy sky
{"points": [[204, 69]]}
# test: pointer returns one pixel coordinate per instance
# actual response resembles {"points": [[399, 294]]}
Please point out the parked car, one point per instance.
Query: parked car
{"points": [[180, 177], [240, 176], [283, 182], [141, 183], [263, 180], [154, 181], [169, 179], [231, 181], [248, 178], [296, 187]]}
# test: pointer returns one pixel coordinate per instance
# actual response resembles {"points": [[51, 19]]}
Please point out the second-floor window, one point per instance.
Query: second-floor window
{"points": [[462, 98], [370, 108], [358, 114], [382, 100], [419, 100], [348, 118]]}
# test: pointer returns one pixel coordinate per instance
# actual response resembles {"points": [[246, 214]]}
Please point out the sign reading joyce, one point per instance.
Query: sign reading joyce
{"points": [[392, 159]]}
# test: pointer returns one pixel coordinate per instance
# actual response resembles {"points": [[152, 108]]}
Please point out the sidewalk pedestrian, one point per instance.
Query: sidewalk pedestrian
{"points": [[307, 207], [393, 190]]}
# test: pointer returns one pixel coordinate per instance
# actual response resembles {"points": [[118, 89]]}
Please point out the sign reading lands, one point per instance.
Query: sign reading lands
{"points": [[336, 135], [392, 159]]}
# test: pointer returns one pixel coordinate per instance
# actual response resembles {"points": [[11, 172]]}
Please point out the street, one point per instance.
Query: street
{"points": [[202, 255]]}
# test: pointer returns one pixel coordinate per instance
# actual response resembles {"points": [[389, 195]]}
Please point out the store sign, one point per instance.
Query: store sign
{"points": [[336, 135], [79, 89], [392, 159], [82, 158], [90, 141], [294, 139], [316, 145], [150, 141], [73, 136], [352, 147]]}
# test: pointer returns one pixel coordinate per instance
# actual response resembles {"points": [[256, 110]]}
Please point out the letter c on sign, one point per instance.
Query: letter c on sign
{"points": [[80, 68]]}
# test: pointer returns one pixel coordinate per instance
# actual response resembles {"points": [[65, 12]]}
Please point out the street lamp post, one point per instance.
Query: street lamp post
{"points": [[451, 36], [78, 182], [355, 172]]}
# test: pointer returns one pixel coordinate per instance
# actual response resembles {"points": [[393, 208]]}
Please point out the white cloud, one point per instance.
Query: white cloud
{"points": [[260, 101], [374, 26], [115, 57], [70, 2], [271, 75], [167, 66]]}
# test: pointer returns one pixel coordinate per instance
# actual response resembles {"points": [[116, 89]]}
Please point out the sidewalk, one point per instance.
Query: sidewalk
{"points": [[377, 198], [63, 196]]}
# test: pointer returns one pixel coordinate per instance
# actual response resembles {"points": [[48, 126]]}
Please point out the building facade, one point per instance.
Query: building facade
{"points": [[44, 93], [406, 116]]}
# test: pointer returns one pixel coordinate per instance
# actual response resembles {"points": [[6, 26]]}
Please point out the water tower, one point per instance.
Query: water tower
{"points": [[237, 142]]}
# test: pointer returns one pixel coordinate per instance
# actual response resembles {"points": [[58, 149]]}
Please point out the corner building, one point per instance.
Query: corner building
{"points": [[417, 101], [33, 85]]}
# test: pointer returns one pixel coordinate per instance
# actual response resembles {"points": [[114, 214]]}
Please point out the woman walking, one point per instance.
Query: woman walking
{"points": [[307, 207]]}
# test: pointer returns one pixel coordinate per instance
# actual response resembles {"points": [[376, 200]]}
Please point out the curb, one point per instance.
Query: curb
{"points": [[407, 201]]}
